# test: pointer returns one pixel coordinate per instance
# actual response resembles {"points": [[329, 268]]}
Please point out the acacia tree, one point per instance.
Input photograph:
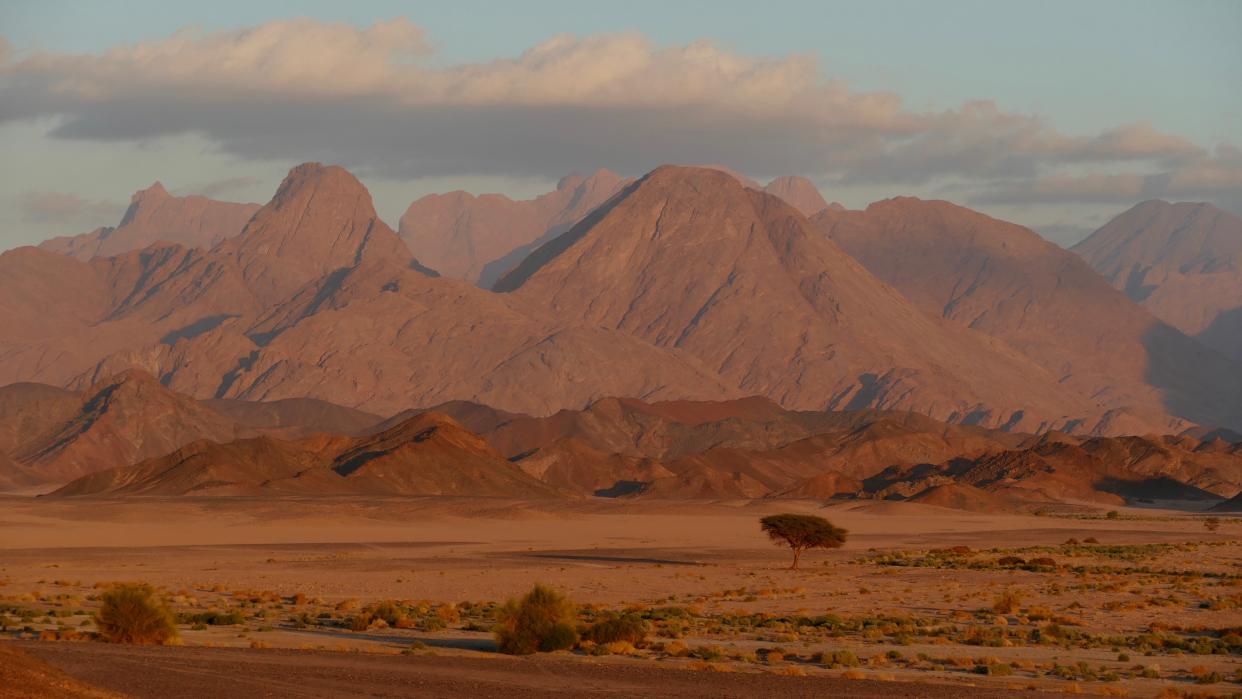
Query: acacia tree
{"points": [[802, 532]]}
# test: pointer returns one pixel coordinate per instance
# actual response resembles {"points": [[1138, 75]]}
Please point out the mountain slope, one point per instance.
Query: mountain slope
{"points": [[427, 455], [798, 192], [316, 298], [690, 259], [1182, 262], [122, 420], [1006, 281], [460, 235], [154, 216]]}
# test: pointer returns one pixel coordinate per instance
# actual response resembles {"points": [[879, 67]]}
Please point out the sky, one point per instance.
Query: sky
{"points": [[1056, 115]]}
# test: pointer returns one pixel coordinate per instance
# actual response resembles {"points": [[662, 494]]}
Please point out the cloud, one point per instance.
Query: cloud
{"points": [[225, 185], [375, 99], [1217, 177], [62, 207]]}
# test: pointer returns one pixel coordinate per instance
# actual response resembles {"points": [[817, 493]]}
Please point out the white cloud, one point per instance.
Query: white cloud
{"points": [[373, 99]]}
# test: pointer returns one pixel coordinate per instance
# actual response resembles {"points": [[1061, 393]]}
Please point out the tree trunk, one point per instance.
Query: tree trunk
{"points": [[797, 554]]}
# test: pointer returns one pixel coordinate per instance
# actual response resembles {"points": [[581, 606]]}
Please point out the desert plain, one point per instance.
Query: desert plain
{"points": [[921, 600]]}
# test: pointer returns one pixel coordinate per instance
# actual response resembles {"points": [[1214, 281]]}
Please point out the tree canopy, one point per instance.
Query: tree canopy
{"points": [[802, 532]]}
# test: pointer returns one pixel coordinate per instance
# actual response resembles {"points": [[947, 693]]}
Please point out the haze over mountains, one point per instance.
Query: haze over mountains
{"points": [[153, 216], [1182, 262], [686, 284], [1004, 280]]}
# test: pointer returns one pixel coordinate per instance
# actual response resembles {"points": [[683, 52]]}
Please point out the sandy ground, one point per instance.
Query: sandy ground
{"points": [[710, 557]]}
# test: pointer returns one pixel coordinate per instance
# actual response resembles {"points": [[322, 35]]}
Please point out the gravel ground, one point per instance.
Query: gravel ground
{"points": [[190, 673]]}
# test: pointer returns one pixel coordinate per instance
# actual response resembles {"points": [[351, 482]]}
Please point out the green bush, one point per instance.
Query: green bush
{"points": [[540, 622], [131, 613], [613, 628]]}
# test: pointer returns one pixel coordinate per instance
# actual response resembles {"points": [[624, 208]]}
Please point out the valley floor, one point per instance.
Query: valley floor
{"points": [[1144, 603]]}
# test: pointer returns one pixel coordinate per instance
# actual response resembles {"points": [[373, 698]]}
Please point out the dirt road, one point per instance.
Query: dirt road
{"points": [[208, 673]]}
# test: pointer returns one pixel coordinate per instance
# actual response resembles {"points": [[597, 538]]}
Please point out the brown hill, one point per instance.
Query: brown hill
{"points": [[51, 435], [203, 467], [570, 465], [688, 258], [1100, 469], [960, 496], [699, 481], [772, 447], [460, 235], [296, 417], [122, 420], [154, 216], [823, 487], [1004, 280], [659, 430], [30, 409], [429, 454], [1182, 262]]}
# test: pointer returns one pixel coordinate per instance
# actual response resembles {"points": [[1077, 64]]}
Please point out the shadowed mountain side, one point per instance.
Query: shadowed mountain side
{"points": [[1099, 469], [155, 216], [125, 419], [50, 435], [1004, 280], [31, 409], [688, 258], [462, 236]]}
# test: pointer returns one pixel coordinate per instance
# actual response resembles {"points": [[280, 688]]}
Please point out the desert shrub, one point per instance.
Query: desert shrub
{"points": [[131, 613], [1010, 561], [540, 622], [624, 627], [1007, 602], [214, 618], [837, 658], [676, 649], [996, 669]]}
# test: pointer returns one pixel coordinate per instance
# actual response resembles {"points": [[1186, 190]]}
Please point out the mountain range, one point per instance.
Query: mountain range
{"points": [[616, 447], [687, 284]]}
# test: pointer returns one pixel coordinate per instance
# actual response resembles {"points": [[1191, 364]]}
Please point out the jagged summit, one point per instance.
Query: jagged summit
{"points": [[690, 258]]}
